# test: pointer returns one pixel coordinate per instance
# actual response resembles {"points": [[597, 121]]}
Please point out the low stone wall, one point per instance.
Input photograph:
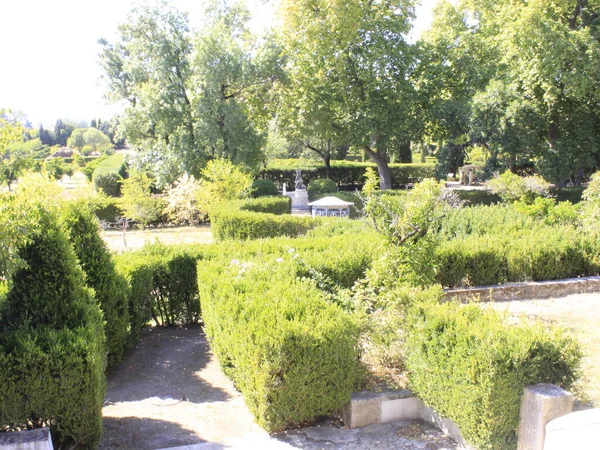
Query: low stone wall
{"points": [[541, 403], [529, 290], [38, 439], [367, 408]]}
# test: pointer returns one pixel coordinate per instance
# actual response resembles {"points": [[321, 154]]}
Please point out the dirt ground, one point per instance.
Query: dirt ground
{"points": [[135, 239], [170, 392], [580, 315]]}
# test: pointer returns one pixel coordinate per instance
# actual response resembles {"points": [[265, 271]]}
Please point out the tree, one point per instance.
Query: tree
{"points": [[81, 137], [11, 132], [190, 95], [137, 202], [62, 132], [361, 67]]}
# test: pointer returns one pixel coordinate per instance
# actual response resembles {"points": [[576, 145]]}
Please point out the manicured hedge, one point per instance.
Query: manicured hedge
{"points": [[52, 352], [162, 284], [538, 254], [348, 175], [241, 220], [279, 205], [109, 173], [293, 356], [107, 209], [471, 366], [111, 289], [263, 188]]}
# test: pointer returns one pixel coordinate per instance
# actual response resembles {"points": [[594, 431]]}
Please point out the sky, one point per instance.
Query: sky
{"points": [[49, 53]]}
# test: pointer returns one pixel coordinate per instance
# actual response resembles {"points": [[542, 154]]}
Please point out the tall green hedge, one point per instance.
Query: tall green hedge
{"points": [[162, 284], [111, 289], [52, 352], [348, 175], [471, 366], [293, 356]]}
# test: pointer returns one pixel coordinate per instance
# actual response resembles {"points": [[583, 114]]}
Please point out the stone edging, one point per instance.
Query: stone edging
{"points": [[367, 408], [528, 290]]}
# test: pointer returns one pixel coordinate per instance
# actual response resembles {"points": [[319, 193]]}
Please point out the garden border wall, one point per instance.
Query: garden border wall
{"points": [[527, 290]]}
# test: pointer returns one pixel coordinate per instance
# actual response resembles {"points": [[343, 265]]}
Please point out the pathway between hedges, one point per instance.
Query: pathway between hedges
{"points": [[170, 392]]}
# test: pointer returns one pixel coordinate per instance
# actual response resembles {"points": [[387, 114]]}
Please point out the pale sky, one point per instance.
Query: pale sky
{"points": [[49, 53]]}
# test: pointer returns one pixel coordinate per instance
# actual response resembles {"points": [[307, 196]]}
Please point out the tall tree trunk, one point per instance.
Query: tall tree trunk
{"points": [[380, 158]]}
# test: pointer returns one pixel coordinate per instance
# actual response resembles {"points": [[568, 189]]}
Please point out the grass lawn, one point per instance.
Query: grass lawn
{"points": [[135, 239], [580, 315]]}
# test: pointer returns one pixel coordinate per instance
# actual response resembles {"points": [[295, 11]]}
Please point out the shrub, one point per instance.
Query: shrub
{"points": [[109, 173], [590, 206], [163, 286], [263, 188], [51, 330], [538, 254], [228, 223], [477, 197], [110, 288], [107, 209], [293, 356], [471, 366], [278, 205], [511, 187], [182, 207], [137, 202], [320, 186], [221, 181]]}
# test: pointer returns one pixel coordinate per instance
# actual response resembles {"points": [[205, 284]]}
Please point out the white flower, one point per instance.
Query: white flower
{"points": [[279, 260], [291, 250]]}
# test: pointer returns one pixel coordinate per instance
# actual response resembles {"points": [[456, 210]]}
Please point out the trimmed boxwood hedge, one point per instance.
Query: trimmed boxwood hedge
{"points": [[293, 356], [471, 366], [348, 175], [52, 350], [258, 218], [111, 289], [162, 282], [538, 254]]}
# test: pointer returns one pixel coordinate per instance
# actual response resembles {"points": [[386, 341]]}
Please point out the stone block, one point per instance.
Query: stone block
{"points": [[578, 430], [447, 426], [540, 404], [38, 439], [363, 409], [410, 408]]}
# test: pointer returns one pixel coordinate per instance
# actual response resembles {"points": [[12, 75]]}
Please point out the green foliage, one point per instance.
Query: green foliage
{"points": [[51, 329], [590, 206], [55, 168], [228, 222], [109, 173], [346, 174], [221, 181], [89, 138], [292, 355], [536, 254], [162, 284], [277, 205], [263, 188], [471, 366], [110, 288], [90, 167], [182, 206], [511, 187], [137, 202], [477, 197], [320, 186], [547, 210], [106, 209]]}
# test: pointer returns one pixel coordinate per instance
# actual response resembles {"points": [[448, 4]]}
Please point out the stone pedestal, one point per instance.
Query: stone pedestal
{"points": [[299, 199], [38, 439], [540, 404]]}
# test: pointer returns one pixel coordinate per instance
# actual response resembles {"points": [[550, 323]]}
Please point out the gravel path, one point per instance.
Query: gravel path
{"points": [[171, 393]]}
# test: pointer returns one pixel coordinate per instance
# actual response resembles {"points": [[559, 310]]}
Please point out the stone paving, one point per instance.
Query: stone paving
{"points": [[171, 393]]}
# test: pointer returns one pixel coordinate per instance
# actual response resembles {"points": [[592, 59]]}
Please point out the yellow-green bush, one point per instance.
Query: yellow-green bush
{"points": [[292, 355], [471, 366]]}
